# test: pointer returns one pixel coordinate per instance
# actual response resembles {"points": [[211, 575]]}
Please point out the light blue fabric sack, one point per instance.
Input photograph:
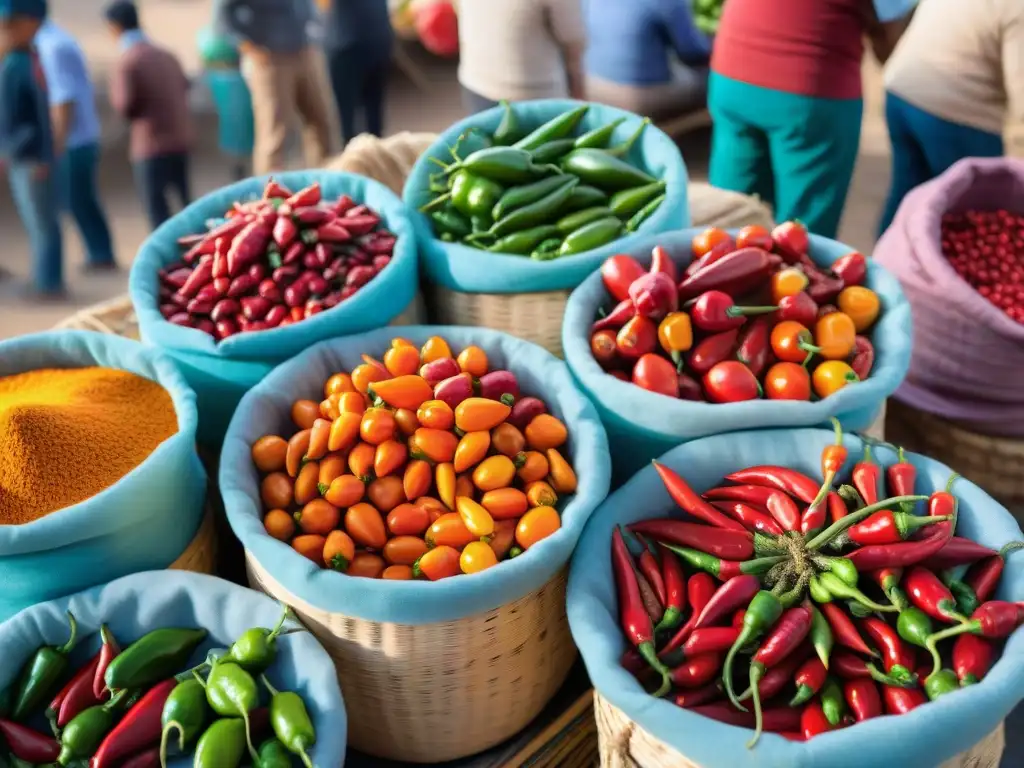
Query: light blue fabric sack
{"points": [[220, 373], [926, 737], [470, 270], [266, 410], [138, 604], [143, 521], [642, 425]]}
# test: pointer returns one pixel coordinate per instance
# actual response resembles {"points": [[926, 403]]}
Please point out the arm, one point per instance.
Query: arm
{"points": [[691, 45], [565, 18], [122, 91], [1013, 65], [63, 68], [887, 20]]}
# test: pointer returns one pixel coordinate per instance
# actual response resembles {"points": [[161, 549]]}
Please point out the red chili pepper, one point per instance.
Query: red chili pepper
{"points": [[79, 696], [311, 195], [738, 617], [813, 518], [662, 262], [637, 337], [736, 593], [958, 551], [26, 744], [752, 519], [927, 592], [720, 251], [618, 317], [633, 616], [813, 721], [850, 667], [618, 273], [735, 273], [889, 527], [901, 476], [715, 311], [780, 676], [201, 276], [798, 307], [274, 190], [751, 495], [754, 346], [651, 570], [710, 640], [809, 678], [108, 652], [139, 729], [833, 457], [344, 205], [784, 638], [220, 257], [148, 759], [711, 351], [863, 699], [863, 358], [650, 600], [248, 246], [697, 671], [773, 720], [790, 240], [698, 696], [822, 288], [720, 542], [784, 510], [888, 580], [851, 268], [895, 653], [675, 591], [285, 231], [780, 478], [866, 476], [330, 232], [983, 577], [690, 502], [700, 590], [87, 671], [836, 507], [900, 701], [972, 658], [844, 630], [654, 295]]}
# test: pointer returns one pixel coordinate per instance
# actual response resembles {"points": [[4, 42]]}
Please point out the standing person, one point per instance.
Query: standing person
{"points": [[26, 144], [149, 89], [231, 99], [516, 50], [358, 40], [950, 84], [785, 97], [76, 140], [645, 56], [285, 73]]}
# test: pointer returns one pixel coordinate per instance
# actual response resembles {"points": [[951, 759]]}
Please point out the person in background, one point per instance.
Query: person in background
{"points": [[785, 97], [26, 145], [645, 56], [950, 84], [231, 99], [285, 73], [358, 40], [149, 89], [76, 140], [516, 50]]}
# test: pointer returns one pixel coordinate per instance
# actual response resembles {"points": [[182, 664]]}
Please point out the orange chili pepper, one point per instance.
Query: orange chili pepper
{"points": [[296, 452], [444, 477], [787, 282], [400, 341], [861, 304], [471, 450], [306, 483], [792, 342], [279, 524], [831, 376], [417, 478], [675, 335], [377, 426], [310, 546], [505, 503], [402, 360], [404, 550], [365, 525], [364, 375], [476, 557], [836, 335], [360, 461], [473, 361], [449, 530], [351, 402], [494, 472], [332, 467], [433, 506], [477, 519], [366, 565], [386, 493], [508, 440], [504, 537], [397, 573], [338, 383], [406, 421], [318, 516], [389, 457], [563, 478], [339, 551], [536, 525], [408, 520], [545, 431], [435, 348], [435, 414], [344, 431], [439, 563], [403, 392], [304, 413], [541, 494], [329, 407], [478, 414], [532, 466], [464, 486], [345, 491], [435, 444]]}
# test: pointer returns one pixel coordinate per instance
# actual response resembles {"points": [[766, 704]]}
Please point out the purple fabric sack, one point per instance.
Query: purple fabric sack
{"points": [[968, 356]]}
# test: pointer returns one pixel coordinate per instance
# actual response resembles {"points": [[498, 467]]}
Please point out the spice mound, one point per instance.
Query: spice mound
{"points": [[67, 434]]}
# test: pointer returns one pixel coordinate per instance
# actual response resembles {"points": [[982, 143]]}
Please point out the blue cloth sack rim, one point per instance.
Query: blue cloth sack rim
{"points": [[96, 517], [266, 408], [929, 735], [891, 336], [471, 270], [161, 249], [136, 604]]}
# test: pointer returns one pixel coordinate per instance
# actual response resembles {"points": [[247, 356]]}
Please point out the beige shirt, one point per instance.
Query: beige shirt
{"points": [[963, 61], [511, 49]]}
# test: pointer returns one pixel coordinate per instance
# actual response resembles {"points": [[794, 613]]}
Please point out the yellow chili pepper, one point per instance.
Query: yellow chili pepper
{"points": [[861, 304], [675, 334], [477, 519], [835, 334], [831, 376], [477, 557], [787, 282], [444, 476]]}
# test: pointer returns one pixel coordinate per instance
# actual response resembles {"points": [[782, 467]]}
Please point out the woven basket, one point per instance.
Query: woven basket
{"points": [[994, 463], [438, 692], [115, 317], [200, 556], [388, 161], [624, 744]]}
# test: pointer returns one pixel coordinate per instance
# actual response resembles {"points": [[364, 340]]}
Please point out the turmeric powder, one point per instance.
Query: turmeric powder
{"points": [[68, 434]]}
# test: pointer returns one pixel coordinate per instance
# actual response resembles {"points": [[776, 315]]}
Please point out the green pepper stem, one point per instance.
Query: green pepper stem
{"points": [[248, 737], [932, 643], [305, 758], [804, 693], [436, 203], [650, 655], [198, 677], [903, 677], [855, 517], [70, 644], [1013, 546], [164, 736], [670, 620], [268, 686], [276, 631], [756, 672]]}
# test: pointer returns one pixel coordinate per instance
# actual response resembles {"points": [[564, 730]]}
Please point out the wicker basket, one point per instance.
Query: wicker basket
{"points": [[388, 161], [994, 463], [438, 692], [200, 556], [115, 317], [623, 744]]}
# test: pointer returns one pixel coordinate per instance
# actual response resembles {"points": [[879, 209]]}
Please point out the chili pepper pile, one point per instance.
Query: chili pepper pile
{"points": [[986, 248], [274, 261], [130, 708], [422, 465], [788, 606], [749, 317], [545, 193]]}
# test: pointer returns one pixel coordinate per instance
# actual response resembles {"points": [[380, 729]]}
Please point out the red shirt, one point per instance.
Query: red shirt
{"points": [[807, 47]]}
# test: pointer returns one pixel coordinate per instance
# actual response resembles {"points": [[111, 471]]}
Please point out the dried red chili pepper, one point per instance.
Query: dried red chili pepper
{"points": [[972, 658], [808, 679], [752, 519], [958, 551], [139, 729], [721, 542], [697, 671], [863, 699], [901, 476], [780, 478], [983, 577], [866, 476], [27, 744], [690, 501], [844, 630], [900, 701], [650, 600], [927, 592], [675, 591]]}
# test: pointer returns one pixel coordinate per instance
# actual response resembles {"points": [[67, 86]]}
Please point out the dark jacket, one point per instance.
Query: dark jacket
{"points": [[24, 113], [358, 23], [279, 26]]}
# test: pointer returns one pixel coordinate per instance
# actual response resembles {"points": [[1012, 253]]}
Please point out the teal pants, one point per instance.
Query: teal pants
{"points": [[796, 153]]}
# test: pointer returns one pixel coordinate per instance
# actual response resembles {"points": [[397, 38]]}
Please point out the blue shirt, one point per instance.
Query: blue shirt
{"points": [[630, 41], [365, 23], [890, 10], [68, 82], [24, 112]]}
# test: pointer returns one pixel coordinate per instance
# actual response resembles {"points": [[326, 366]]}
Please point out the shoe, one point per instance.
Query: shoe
{"points": [[103, 267]]}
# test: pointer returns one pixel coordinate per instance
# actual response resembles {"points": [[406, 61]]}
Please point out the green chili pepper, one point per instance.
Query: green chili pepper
{"points": [[469, 142], [573, 221], [599, 137], [547, 250], [584, 196], [940, 683], [627, 202], [524, 241], [232, 692], [186, 712], [590, 236], [481, 224], [833, 702], [83, 735], [291, 723], [41, 676], [818, 592], [450, 222], [914, 626], [762, 612], [966, 600], [152, 658], [508, 131], [273, 754], [534, 214], [506, 165], [518, 197], [222, 745], [474, 195], [644, 213], [604, 171], [821, 636], [553, 151], [621, 150], [839, 588], [256, 648], [556, 128]]}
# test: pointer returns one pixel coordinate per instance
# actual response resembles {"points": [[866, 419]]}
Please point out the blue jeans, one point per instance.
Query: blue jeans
{"points": [[156, 177], [36, 200], [925, 146], [76, 175]]}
